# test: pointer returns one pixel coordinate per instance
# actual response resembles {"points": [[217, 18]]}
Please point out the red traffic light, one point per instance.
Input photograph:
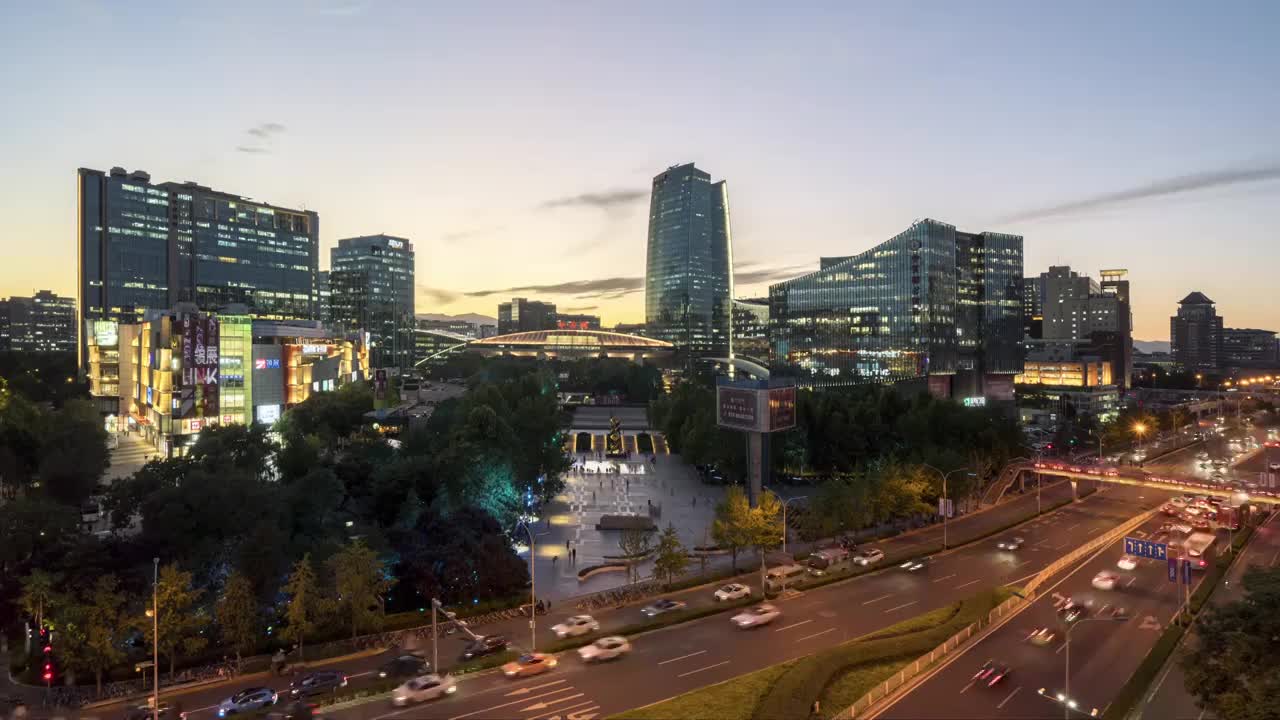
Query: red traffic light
{"points": [[48, 649], [48, 676]]}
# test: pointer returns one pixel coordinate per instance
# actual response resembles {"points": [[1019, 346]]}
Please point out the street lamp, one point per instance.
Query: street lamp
{"points": [[1139, 429], [944, 507], [784, 519], [155, 639], [533, 591], [1065, 698]]}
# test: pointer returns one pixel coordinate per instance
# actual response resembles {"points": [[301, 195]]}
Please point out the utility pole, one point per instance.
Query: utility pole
{"points": [[155, 639]]}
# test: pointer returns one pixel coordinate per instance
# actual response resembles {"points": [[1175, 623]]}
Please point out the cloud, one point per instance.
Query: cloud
{"points": [[266, 130], [1194, 182], [743, 276], [582, 309], [609, 200], [343, 8], [459, 235], [261, 137], [251, 149], [615, 288], [436, 295]]}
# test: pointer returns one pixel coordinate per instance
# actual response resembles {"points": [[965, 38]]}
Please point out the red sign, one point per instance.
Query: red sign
{"points": [[782, 408]]}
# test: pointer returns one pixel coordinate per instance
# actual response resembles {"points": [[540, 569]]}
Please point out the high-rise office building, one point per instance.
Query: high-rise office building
{"points": [[1078, 310], [1244, 348], [1195, 335], [751, 329], [42, 323], [1033, 307], [689, 266], [522, 315], [932, 305], [371, 288], [145, 246]]}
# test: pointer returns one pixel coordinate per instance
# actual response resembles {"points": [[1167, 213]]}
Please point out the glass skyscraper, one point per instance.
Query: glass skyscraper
{"points": [[689, 270], [932, 304], [371, 287]]}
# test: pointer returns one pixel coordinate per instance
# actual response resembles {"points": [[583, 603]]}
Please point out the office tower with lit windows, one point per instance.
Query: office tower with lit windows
{"points": [[371, 288], [689, 266], [42, 323], [1195, 335], [933, 306], [524, 315]]}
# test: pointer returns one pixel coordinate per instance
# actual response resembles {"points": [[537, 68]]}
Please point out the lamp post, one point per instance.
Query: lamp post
{"points": [[1139, 429], [155, 639], [784, 519], [435, 637], [1067, 703], [944, 507], [533, 591]]}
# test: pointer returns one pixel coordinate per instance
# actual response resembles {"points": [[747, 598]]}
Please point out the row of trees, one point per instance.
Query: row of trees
{"points": [[634, 382]]}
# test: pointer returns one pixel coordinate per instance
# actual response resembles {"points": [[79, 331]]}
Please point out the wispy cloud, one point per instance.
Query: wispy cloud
{"points": [[460, 235], [343, 8], [261, 138], [436, 295], [743, 276], [615, 288], [1181, 184], [582, 309], [609, 200]]}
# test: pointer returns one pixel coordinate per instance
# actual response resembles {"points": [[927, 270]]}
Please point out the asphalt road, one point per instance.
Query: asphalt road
{"points": [[1168, 698], [201, 704], [1103, 653], [668, 662]]}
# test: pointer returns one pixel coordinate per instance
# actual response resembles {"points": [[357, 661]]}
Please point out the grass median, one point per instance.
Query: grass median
{"points": [[837, 676]]}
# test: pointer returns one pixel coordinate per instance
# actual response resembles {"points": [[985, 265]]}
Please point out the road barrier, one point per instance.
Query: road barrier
{"points": [[1114, 535]]}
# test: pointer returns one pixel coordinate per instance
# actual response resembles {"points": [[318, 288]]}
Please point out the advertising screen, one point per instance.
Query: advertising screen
{"points": [[738, 408]]}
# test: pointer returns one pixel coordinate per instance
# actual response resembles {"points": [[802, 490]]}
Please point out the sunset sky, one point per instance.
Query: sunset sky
{"points": [[514, 143]]}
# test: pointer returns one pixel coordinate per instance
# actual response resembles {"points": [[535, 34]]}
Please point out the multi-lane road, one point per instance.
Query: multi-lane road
{"points": [[671, 661]]}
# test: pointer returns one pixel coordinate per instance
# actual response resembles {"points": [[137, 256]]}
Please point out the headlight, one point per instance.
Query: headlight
{"points": [[451, 689]]}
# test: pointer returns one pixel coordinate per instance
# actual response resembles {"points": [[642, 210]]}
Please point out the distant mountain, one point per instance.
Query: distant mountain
{"points": [[1151, 346], [476, 318]]}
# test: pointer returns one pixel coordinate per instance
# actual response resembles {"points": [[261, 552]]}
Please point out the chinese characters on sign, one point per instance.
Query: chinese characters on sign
{"points": [[737, 408]]}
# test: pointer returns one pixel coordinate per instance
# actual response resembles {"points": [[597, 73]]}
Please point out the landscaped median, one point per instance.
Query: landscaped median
{"points": [[1159, 654], [837, 676]]}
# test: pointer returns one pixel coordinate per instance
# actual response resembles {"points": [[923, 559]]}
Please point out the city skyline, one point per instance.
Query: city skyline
{"points": [[475, 144]]}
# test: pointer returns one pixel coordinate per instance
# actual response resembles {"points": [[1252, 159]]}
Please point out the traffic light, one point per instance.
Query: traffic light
{"points": [[47, 638]]}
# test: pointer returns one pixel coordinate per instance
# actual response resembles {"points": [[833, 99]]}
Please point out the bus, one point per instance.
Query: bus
{"points": [[1197, 547]]}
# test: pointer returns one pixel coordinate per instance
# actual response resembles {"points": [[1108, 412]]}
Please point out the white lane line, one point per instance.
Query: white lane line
{"points": [[1073, 527], [709, 667], [1131, 581], [527, 690], [1274, 558], [683, 657], [549, 703], [1061, 647], [971, 582], [792, 625], [367, 672], [207, 707], [966, 687], [1007, 699], [487, 710], [899, 607], [946, 578], [574, 710], [810, 637], [882, 597]]}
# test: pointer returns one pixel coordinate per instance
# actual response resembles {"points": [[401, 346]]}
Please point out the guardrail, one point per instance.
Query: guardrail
{"points": [[1101, 541]]}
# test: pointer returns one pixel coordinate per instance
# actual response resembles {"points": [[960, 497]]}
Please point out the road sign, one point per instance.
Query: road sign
{"points": [[1173, 570], [1186, 572], [947, 507], [1145, 549]]}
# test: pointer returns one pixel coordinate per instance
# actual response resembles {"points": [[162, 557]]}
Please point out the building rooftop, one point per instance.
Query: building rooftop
{"points": [[1195, 298], [572, 339]]}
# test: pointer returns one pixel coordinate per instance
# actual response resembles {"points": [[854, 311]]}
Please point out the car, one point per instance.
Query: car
{"points": [[484, 645], [1042, 637], [991, 673], [1014, 543], [143, 712], [317, 683], [762, 614], [1179, 501], [1273, 467], [530, 664], [575, 626], [1127, 562], [1072, 611], [247, 700], [606, 648], [997, 675], [665, 605], [732, 591], [294, 710], [916, 565], [869, 556], [1112, 472], [405, 666], [423, 688], [1105, 580]]}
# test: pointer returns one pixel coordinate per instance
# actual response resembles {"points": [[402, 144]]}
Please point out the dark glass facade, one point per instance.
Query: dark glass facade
{"points": [[688, 273], [929, 302], [522, 315], [371, 288]]}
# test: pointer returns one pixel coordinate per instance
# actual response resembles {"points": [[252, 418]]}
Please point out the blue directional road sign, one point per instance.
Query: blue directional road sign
{"points": [[1145, 549]]}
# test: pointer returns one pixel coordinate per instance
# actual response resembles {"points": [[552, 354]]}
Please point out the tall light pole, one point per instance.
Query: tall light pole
{"points": [[155, 639], [1139, 429], [784, 519], [1067, 703], [533, 591], [435, 636], [944, 507]]}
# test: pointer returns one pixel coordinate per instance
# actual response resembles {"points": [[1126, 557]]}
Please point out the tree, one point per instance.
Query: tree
{"points": [[104, 621], [672, 560], [74, 453], [1231, 672], [305, 603], [766, 523], [732, 525], [362, 582], [634, 544], [237, 615], [181, 621], [37, 589], [464, 557]]}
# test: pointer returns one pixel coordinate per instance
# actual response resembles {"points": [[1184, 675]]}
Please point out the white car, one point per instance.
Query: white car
{"points": [[1273, 467], [1127, 562], [1011, 544], [423, 688], [867, 557], [575, 626], [732, 591], [1105, 580], [757, 616], [606, 648], [1179, 501]]}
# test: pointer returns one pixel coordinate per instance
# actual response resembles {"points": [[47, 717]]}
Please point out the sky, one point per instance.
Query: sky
{"points": [[514, 143]]}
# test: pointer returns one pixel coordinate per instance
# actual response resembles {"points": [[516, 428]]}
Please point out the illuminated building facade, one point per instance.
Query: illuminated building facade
{"points": [[523, 315], [42, 323], [689, 264], [932, 305], [1195, 335], [751, 329], [1091, 372], [371, 288]]}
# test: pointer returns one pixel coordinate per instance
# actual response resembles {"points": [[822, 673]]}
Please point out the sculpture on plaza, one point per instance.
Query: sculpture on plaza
{"points": [[613, 441]]}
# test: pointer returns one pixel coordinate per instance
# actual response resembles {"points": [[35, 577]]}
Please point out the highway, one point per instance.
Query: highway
{"points": [[671, 661], [1103, 653]]}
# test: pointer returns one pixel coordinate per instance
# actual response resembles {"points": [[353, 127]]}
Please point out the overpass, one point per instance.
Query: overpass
{"points": [[1138, 477]]}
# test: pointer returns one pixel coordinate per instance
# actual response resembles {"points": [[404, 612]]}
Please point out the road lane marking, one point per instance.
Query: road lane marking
{"points": [[810, 637], [971, 582], [966, 687], [882, 597], [709, 667], [683, 657], [545, 705], [207, 707], [488, 709], [571, 712], [367, 672], [1073, 527], [946, 578], [527, 690], [1274, 558], [1131, 581], [1007, 699], [1061, 647], [792, 625], [899, 607]]}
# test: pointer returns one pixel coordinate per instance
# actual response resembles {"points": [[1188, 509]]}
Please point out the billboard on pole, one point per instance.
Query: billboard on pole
{"points": [[756, 405]]}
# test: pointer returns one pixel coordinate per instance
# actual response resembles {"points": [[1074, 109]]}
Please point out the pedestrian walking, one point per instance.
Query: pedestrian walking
{"points": [[554, 558], [593, 497], [566, 544], [574, 555]]}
